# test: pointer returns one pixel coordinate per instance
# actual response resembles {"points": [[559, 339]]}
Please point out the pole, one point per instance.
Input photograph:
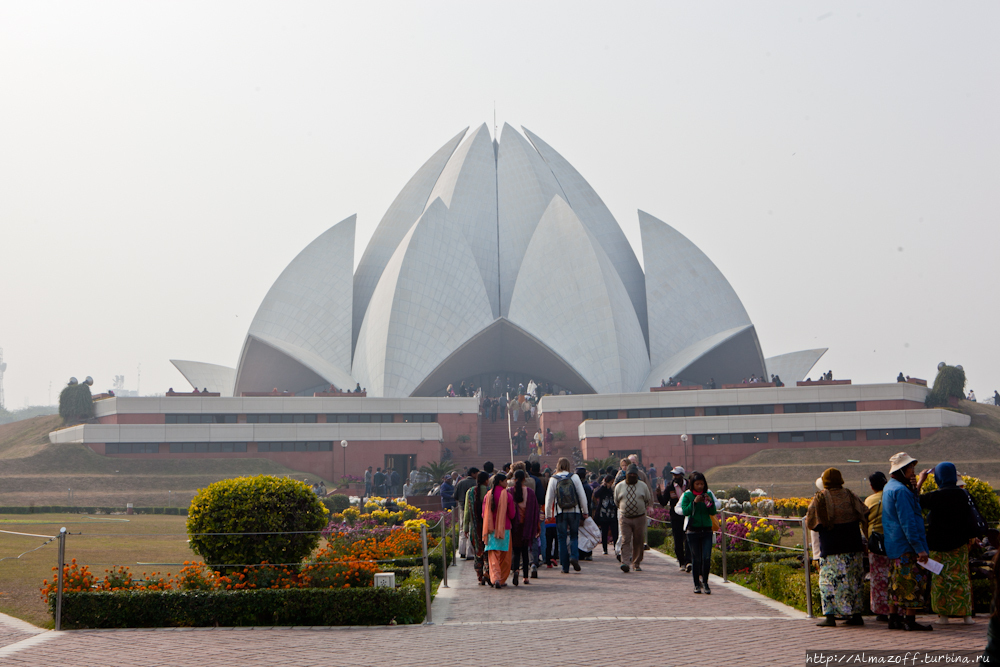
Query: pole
{"points": [[454, 538], [807, 564], [59, 586], [444, 550], [427, 576], [722, 547]]}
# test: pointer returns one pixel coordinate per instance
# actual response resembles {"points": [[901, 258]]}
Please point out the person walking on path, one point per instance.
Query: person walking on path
{"points": [[877, 560], [698, 505], [668, 495], [840, 518], [566, 501], [905, 543], [368, 482], [526, 525], [632, 497], [606, 512], [473, 523], [461, 493], [498, 513], [951, 526]]}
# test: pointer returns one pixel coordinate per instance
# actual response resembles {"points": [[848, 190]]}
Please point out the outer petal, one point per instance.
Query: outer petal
{"points": [[793, 366], [430, 300], [727, 356], [525, 186], [569, 296], [402, 213], [207, 376], [687, 297], [596, 217], [306, 313], [468, 188]]}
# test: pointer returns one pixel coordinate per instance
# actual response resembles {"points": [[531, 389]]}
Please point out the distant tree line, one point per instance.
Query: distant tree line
{"points": [[8, 416]]}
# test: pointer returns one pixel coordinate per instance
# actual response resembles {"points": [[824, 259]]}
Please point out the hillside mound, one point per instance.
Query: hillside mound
{"points": [[975, 450], [36, 472]]}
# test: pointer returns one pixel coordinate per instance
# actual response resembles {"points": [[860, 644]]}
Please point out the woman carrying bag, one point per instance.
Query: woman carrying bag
{"points": [[877, 560], [498, 511]]}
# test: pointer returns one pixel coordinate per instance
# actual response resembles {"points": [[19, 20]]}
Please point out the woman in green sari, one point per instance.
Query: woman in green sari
{"points": [[474, 524]]}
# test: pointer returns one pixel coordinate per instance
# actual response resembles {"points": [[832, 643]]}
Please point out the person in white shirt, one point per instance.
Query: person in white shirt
{"points": [[566, 501]]}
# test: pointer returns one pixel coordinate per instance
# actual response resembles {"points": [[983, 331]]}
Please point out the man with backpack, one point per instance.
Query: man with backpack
{"points": [[566, 501]]}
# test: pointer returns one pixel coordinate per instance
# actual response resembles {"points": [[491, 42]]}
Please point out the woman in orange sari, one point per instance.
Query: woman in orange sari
{"points": [[498, 510]]}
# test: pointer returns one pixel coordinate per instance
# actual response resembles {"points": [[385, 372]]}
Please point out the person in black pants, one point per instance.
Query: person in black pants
{"points": [[668, 495], [606, 512]]}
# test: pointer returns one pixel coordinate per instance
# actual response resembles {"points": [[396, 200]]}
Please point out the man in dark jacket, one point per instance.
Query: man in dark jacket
{"points": [[379, 482], [668, 495], [395, 483]]}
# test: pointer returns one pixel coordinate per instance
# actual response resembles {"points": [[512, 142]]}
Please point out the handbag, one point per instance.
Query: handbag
{"points": [[977, 525]]}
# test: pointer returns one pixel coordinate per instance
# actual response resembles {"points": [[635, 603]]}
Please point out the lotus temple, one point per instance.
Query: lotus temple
{"points": [[498, 264]]}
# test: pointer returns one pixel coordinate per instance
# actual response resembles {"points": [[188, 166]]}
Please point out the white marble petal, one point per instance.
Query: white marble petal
{"points": [[468, 188], [525, 186], [430, 300], [309, 306], [569, 295], [596, 217], [201, 375], [687, 297], [402, 213], [732, 363], [793, 366]]}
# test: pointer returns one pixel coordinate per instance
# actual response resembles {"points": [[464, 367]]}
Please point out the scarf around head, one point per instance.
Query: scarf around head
{"points": [[945, 475]]}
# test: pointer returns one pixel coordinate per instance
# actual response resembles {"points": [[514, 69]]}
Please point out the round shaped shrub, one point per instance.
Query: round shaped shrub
{"points": [[264, 505], [739, 493]]}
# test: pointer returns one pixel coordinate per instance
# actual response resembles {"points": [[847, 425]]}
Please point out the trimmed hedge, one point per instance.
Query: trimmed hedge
{"points": [[79, 509], [656, 537], [735, 560], [264, 607]]}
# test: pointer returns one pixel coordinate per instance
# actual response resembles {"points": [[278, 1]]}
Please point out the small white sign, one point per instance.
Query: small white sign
{"points": [[385, 580], [931, 564]]}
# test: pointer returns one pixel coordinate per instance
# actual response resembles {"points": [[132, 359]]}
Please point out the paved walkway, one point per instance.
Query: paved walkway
{"points": [[598, 616]]}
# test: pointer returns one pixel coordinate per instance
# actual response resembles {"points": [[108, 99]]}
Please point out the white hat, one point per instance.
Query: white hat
{"points": [[960, 482], [819, 483], [677, 471], [900, 461]]}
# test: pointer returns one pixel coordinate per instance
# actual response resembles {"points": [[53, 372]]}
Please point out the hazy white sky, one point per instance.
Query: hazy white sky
{"points": [[161, 163]]}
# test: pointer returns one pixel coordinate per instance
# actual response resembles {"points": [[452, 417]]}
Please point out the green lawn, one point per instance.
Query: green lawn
{"points": [[99, 542]]}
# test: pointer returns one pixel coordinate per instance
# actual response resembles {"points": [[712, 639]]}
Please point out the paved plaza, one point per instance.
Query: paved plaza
{"points": [[598, 616]]}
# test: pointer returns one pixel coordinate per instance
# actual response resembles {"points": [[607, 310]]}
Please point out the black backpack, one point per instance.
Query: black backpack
{"points": [[566, 496]]}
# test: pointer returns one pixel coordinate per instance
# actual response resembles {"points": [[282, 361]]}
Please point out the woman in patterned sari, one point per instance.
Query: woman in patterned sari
{"points": [[840, 518], [950, 527], [474, 523], [878, 575]]}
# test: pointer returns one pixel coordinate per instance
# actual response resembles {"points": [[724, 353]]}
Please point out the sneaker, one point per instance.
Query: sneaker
{"points": [[624, 567], [548, 565], [911, 624], [645, 547], [855, 620], [708, 591], [697, 589], [687, 568], [515, 578], [968, 620], [619, 557], [605, 552], [575, 564], [534, 572], [637, 568], [682, 567]]}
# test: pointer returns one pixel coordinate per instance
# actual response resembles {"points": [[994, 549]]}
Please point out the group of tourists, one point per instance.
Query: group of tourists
{"points": [[889, 525], [383, 483], [517, 519]]}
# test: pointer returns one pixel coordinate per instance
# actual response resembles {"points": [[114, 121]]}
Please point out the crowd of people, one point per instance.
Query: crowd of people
{"points": [[907, 562]]}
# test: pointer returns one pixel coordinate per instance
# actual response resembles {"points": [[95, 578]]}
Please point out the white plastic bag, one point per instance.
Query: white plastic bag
{"points": [[589, 535]]}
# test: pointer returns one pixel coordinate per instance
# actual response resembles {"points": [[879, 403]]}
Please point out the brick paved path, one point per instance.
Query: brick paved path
{"points": [[599, 616]]}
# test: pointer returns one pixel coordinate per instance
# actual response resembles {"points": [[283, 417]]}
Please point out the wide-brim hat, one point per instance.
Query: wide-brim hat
{"points": [[678, 470], [900, 461]]}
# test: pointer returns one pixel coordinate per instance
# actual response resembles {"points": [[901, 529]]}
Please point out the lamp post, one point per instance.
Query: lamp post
{"points": [[343, 446], [684, 443]]}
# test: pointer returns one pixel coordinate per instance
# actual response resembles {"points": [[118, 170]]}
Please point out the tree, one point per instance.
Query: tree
{"points": [[949, 383], [75, 403]]}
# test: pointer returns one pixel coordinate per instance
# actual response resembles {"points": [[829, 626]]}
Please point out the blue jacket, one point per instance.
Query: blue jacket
{"points": [[902, 521]]}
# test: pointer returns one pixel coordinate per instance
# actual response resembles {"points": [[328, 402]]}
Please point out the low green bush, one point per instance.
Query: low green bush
{"points": [[268, 607], [337, 503], [785, 584], [655, 537], [736, 561], [738, 492]]}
